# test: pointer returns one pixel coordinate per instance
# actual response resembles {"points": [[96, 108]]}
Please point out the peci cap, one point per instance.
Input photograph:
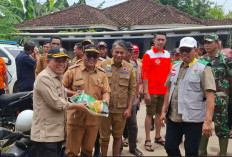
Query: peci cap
{"points": [[102, 43], [57, 52], [87, 42], [91, 48], [129, 46], [211, 38], [135, 48], [188, 42]]}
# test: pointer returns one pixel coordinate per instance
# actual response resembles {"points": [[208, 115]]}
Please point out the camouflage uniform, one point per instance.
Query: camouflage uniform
{"points": [[222, 68]]}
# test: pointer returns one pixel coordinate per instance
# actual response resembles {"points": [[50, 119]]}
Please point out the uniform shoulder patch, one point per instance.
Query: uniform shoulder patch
{"points": [[74, 66], [175, 62], [78, 61], [101, 69]]}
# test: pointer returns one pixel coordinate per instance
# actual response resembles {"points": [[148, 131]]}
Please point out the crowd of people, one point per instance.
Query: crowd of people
{"points": [[187, 89]]}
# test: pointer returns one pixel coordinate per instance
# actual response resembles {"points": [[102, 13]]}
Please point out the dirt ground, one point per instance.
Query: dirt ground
{"points": [[213, 146]]}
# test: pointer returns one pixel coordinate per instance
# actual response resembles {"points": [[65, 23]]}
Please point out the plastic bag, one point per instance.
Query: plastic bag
{"points": [[95, 107]]}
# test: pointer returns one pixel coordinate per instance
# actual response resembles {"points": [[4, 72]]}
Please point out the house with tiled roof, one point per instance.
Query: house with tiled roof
{"points": [[77, 17], [133, 20]]}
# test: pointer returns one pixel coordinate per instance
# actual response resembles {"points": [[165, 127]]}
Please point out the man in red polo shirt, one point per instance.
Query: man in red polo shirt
{"points": [[155, 69]]}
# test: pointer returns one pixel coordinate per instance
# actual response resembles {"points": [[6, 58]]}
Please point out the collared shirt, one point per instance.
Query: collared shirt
{"points": [[41, 63], [156, 51], [94, 83], [2, 71], [207, 83], [156, 67], [49, 105], [75, 59], [122, 80], [25, 71]]}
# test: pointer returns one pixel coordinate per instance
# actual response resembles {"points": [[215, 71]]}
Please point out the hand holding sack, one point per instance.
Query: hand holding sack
{"points": [[95, 107]]}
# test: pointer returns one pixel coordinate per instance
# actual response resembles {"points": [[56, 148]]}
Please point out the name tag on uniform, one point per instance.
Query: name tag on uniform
{"points": [[79, 79]]}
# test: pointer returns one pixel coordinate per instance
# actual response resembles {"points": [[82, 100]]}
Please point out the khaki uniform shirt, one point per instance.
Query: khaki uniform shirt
{"points": [[94, 83], [122, 80], [41, 63], [207, 83], [49, 105]]}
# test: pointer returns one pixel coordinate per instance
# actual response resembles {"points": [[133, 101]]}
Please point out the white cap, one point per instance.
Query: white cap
{"points": [[188, 42]]}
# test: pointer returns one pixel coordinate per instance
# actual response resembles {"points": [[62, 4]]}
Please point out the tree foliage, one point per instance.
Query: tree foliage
{"points": [[15, 11], [203, 9]]}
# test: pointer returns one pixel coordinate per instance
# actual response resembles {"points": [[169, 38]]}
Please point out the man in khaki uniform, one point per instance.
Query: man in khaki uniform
{"points": [[102, 46], [78, 51], [122, 82], [49, 104], [82, 127], [42, 61]]}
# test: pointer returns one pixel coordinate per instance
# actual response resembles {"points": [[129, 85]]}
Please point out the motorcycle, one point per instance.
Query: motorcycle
{"points": [[11, 105], [15, 144]]}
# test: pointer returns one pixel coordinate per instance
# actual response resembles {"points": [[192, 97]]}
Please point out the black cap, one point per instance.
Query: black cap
{"points": [[129, 46], [91, 48], [57, 52], [87, 42]]}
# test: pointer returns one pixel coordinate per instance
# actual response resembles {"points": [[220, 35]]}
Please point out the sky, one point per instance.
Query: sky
{"points": [[94, 3]]}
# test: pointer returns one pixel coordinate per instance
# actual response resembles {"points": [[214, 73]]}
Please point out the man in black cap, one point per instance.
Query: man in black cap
{"points": [[102, 46], [50, 104], [82, 127], [86, 42]]}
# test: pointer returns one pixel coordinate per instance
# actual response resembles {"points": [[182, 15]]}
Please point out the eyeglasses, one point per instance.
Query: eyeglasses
{"points": [[91, 55], [185, 49]]}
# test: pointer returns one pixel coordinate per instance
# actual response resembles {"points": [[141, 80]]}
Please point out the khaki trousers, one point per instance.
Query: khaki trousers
{"points": [[80, 138]]}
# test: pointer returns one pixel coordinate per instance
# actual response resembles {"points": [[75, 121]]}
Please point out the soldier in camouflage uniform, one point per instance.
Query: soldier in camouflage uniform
{"points": [[222, 68]]}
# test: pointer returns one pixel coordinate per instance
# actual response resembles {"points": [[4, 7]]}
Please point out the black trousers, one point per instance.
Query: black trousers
{"points": [[131, 129], [174, 134], [49, 149]]}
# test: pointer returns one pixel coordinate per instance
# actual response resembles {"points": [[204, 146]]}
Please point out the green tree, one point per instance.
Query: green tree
{"points": [[216, 13], [197, 8], [15, 11]]}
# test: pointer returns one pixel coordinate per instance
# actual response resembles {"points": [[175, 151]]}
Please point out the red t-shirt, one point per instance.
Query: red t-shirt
{"points": [[156, 67]]}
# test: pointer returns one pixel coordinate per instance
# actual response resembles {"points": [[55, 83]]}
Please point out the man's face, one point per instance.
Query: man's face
{"points": [[118, 54], [57, 65], [220, 47], [159, 41], [78, 52], [56, 42], [187, 54], [128, 55], [199, 51], [177, 57], [46, 47], [90, 59], [135, 55], [103, 51], [210, 46]]}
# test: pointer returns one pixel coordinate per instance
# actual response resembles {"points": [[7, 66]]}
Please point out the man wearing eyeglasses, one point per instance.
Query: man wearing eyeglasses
{"points": [[189, 102], [222, 68], [82, 127]]}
